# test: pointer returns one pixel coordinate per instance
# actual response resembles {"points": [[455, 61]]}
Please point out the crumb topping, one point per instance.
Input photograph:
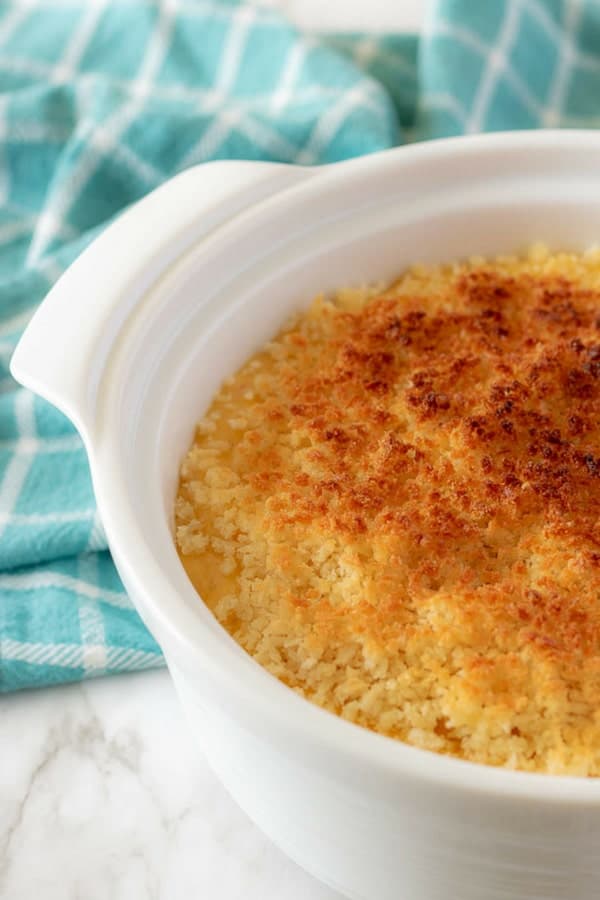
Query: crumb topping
{"points": [[394, 507]]}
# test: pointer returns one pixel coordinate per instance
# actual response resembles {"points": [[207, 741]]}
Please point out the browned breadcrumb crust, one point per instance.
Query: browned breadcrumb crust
{"points": [[395, 509]]}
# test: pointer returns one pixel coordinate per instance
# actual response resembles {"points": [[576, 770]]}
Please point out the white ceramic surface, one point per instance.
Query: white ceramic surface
{"points": [[229, 250]]}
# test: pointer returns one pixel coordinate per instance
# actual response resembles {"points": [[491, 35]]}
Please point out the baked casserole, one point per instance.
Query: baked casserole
{"points": [[394, 508]]}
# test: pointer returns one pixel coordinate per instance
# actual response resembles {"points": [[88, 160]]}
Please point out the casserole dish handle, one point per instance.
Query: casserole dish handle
{"points": [[62, 353]]}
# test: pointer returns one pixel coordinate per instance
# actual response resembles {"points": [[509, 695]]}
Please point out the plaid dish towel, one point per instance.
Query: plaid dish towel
{"points": [[99, 103]]}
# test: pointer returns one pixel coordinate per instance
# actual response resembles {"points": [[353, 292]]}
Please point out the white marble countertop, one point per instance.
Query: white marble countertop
{"points": [[103, 794]]}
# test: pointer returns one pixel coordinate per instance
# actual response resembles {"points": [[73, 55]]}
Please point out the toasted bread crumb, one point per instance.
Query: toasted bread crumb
{"points": [[394, 507]]}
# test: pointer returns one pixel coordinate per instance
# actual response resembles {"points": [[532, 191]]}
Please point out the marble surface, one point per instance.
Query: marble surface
{"points": [[354, 15], [103, 794]]}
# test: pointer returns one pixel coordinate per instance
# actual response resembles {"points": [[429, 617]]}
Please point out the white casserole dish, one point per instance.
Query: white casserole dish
{"points": [[177, 293]]}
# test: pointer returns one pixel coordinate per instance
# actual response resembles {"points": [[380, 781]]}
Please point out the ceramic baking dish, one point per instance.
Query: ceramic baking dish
{"points": [[131, 344]]}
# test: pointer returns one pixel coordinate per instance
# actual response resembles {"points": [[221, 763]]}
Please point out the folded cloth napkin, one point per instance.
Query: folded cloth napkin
{"points": [[100, 103]]}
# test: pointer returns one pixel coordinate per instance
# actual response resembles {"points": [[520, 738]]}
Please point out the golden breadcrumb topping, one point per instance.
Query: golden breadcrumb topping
{"points": [[394, 507]]}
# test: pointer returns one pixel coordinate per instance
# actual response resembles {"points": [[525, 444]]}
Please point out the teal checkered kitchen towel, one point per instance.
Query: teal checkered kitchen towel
{"points": [[102, 101]]}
